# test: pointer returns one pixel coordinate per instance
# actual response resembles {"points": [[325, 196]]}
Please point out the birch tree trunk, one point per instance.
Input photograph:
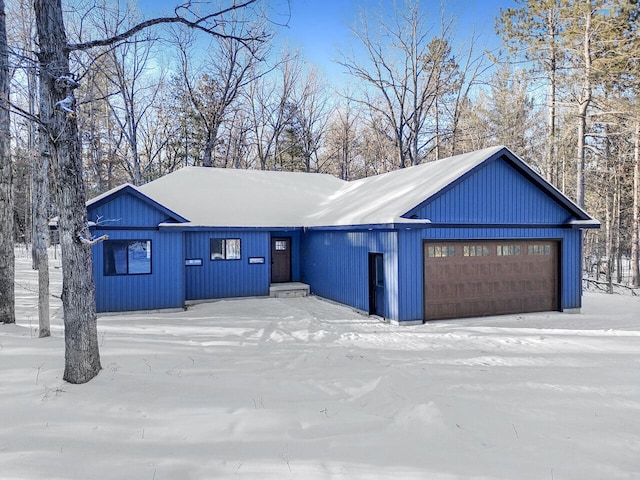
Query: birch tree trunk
{"points": [[58, 121], [7, 265]]}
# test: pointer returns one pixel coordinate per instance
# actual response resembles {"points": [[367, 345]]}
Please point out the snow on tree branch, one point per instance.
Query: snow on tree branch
{"points": [[100, 221], [63, 82], [66, 104], [90, 242]]}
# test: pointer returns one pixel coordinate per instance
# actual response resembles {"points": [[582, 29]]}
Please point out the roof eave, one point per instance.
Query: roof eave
{"points": [[591, 223]]}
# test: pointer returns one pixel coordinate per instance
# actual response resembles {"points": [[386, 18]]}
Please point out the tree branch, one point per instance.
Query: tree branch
{"points": [[197, 24], [93, 241]]}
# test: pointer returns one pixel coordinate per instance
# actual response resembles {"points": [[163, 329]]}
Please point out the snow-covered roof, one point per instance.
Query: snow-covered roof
{"points": [[242, 198], [384, 198], [254, 198]]}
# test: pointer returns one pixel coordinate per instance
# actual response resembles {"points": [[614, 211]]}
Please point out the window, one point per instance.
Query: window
{"points": [[539, 249], [127, 257], [379, 271], [225, 249], [506, 250], [475, 251], [441, 251], [280, 245]]}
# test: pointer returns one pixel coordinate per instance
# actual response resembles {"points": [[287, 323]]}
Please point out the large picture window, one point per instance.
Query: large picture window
{"points": [[225, 249], [127, 257]]}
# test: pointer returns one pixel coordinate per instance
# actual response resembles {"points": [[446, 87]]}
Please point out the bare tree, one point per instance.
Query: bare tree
{"points": [[23, 46], [135, 95], [232, 65], [343, 142], [269, 97], [7, 267], [58, 119], [404, 73], [312, 111]]}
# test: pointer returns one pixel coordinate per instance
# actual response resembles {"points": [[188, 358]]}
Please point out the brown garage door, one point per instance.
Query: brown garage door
{"points": [[476, 278]]}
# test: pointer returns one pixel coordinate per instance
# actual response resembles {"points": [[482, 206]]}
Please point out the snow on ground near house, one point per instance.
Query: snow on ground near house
{"points": [[304, 389]]}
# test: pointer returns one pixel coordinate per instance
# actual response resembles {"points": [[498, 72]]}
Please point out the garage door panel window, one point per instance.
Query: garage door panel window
{"points": [[508, 250], [539, 250], [440, 251], [475, 251]]}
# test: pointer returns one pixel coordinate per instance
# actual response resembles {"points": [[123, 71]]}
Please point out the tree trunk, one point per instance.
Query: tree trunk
{"points": [[551, 124], [7, 260], [82, 358], [207, 156], [581, 151], [635, 228], [40, 236], [584, 102]]}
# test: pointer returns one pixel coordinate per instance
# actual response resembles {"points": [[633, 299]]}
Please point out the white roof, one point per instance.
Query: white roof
{"points": [[255, 198], [242, 198], [384, 198]]}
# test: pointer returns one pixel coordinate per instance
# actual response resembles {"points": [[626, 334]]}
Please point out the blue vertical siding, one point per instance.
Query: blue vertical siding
{"points": [[494, 202], [163, 288], [227, 278], [496, 193], [336, 265], [126, 211]]}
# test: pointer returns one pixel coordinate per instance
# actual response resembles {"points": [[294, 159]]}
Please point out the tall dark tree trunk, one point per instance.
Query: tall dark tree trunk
{"points": [[60, 129], [7, 265]]}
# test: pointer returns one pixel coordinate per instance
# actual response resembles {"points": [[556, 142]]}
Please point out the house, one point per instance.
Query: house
{"points": [[471, 235]]}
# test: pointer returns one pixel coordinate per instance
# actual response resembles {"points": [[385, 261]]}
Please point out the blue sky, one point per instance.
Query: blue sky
{"points": [[319, 27]]}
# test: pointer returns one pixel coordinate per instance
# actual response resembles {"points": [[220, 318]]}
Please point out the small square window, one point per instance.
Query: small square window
{"points": [[281, 245]]}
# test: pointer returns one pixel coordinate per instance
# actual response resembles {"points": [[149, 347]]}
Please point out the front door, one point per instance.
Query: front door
{"points": [[376, 284], [280, 259]]}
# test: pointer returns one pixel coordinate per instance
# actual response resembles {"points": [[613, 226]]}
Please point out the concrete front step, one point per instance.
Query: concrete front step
{"points": [[289, 290]]}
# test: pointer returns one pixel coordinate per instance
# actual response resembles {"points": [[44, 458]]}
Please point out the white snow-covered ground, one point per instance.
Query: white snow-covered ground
{"points": [[304, 389]]}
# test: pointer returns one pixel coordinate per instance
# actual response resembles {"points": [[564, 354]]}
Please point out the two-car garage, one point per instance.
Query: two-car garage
{"points": [[479, 278]]}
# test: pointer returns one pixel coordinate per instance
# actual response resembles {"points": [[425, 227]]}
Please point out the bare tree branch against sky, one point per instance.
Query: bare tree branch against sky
{"points": [[318, 28]]}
